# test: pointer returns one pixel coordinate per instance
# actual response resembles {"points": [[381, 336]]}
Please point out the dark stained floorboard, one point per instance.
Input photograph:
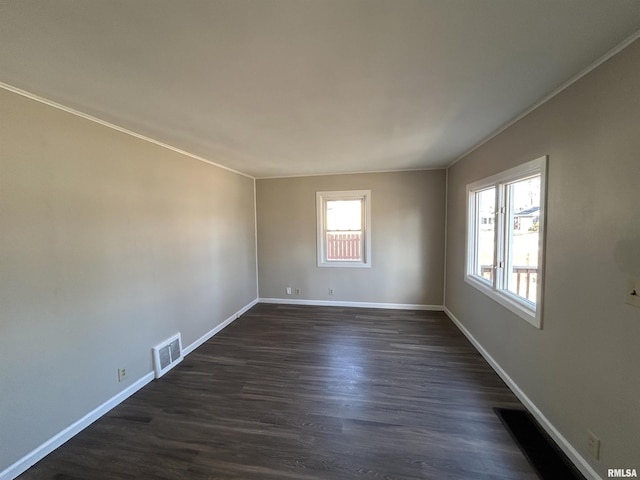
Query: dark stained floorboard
{"points": [[297, 392]]}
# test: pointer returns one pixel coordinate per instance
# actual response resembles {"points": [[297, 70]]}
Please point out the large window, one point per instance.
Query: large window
{"points": [[344, 223], [505, 238]]}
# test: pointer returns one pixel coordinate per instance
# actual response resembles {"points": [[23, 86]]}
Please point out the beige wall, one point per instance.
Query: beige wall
{"points": [[108, 245], [407, 239], [581, 369]]}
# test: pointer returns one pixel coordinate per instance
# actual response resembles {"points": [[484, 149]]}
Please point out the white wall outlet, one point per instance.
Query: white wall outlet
{"points": [[297, 291], [122, 374], [593, 445], [633, 292], [331, 291], [288, 290]]}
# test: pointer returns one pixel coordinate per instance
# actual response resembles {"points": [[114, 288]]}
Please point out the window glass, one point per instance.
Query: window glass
{"points": [[344, 237], [505, 237], [344, 215], [523, 237], [486, 209]]}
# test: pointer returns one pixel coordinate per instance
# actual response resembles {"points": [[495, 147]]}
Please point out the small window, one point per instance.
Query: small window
{"points": [[344, 222], [505, 238]]}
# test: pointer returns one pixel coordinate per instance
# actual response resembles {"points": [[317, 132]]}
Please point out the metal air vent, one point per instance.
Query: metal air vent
{"points": [[167, 355]]}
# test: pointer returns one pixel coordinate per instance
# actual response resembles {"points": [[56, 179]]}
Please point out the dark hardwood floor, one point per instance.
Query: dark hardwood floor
{"points": [[293, 392]]}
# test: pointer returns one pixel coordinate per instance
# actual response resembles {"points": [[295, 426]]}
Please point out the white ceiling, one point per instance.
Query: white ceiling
{"points": [[296, 87]]}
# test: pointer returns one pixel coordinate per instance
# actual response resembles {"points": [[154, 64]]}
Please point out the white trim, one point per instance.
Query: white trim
{"points": [[578, 460], [358, 172], [255, 231], [446, 225], [76, 427], [364, 196], [60, 438], [217, 328], [104, 123], [331, 303], [91, 118], [614, 51], [506, 299], [511, 174], [497, 289]]}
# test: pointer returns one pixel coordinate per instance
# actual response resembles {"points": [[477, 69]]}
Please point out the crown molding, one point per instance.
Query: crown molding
{"points": [[614, 51], [104, 123]]}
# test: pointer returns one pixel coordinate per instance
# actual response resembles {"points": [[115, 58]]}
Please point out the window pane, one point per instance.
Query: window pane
{"points": [[344, 215], [516, 234], [523, 237], [343, 231], [485, 204]]}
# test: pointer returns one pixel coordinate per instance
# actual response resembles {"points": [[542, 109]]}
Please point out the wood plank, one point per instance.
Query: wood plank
{"points": [[297, 392]]}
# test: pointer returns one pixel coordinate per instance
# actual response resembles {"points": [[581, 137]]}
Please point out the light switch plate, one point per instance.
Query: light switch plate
{"points": [[633, 292]]}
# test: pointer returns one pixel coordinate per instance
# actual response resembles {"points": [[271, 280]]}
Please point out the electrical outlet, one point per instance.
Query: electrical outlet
{"points": [[122, 374], [331, 291], [297, 291], [288, 290], [593, 445]]}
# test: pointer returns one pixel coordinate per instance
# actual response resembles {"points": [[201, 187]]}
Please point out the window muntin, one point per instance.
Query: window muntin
{"points": [[505, 238], [343, 228]]}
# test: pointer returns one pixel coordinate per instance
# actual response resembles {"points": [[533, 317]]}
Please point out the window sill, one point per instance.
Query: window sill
{"points": [[344, 264], [507, 300]]}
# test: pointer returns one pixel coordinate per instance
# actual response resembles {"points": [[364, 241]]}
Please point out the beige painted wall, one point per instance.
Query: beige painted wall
{"points": [[108, 245], [581, 369], [407, 239]]}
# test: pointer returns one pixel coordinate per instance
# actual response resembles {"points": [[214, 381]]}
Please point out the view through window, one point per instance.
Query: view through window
{"points": [[505, 237], [343, 229]]}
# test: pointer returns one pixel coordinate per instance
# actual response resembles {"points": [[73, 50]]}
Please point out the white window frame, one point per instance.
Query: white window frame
{"points": [[497, 288], [321, 202]]}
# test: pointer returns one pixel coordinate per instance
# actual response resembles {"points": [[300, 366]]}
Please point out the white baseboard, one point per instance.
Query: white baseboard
{"points": [[57, 440], [54, 442], [187, 350], [577, 459], [332, 303]]}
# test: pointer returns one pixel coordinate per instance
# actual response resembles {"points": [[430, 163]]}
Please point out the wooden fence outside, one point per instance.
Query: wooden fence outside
{"points": [[344, 246]]}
